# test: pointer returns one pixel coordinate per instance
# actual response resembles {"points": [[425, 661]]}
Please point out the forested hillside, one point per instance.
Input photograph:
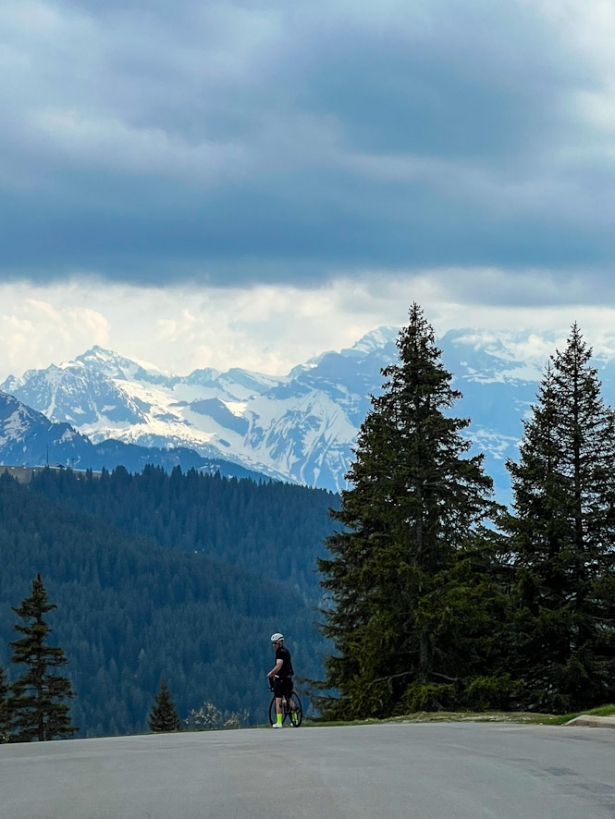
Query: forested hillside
{"points": [[181, 576], [272, 528]]}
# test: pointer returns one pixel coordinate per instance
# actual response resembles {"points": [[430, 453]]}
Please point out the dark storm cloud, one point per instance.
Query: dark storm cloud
{"points": [[149, 142]]}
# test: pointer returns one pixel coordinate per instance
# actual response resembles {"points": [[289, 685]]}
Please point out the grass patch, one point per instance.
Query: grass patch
{"points": [[562, 719], [473, 716], [522, 717], [603, 711], [443, 716]]}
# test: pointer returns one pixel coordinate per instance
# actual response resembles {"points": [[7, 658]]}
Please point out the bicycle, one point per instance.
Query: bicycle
{"points": [[295, 715]]}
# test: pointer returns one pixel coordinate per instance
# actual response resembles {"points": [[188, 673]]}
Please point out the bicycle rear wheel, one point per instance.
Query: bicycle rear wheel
{"points": [[295, 710]]}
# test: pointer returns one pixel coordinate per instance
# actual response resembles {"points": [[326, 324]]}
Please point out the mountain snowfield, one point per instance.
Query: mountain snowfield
{"points": [[299, 427]]}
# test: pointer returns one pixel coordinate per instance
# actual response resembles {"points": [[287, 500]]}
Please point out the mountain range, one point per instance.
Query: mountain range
{"points": [[299, 427], [29, 438]]}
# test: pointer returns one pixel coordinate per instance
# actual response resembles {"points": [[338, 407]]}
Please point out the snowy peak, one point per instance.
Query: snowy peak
{"points": [[15, 413], [107, 363], [303, 426], [112, 365], [77, 394], [28, 438], [485, 356], [203, 378], [300, 427], [235, 384], [375, 340], [24, 430], [242, 384], [11, 384]]}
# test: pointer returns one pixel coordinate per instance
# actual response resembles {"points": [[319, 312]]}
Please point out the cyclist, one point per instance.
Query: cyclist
{"points": [[281, 677]]}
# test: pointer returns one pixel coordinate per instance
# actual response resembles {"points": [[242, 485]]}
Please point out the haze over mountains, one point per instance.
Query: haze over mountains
{"points": [[300, 427]]}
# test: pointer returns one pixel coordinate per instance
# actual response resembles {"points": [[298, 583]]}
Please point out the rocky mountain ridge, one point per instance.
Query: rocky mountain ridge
{"points": [[29, 438], [299, 427]]}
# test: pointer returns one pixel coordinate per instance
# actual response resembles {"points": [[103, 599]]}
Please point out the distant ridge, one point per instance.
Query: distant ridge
{"points": [[29, 439], [300, 427]]}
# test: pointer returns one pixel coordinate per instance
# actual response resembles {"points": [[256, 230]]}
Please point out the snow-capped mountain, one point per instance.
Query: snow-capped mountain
{"points": [[24, 431], [301, 426], [29, 438]]}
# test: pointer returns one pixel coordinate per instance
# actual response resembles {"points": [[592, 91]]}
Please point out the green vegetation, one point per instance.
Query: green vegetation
{"points": [[274, 529], [210, 718], [562, 719], [521, 717], [433, 600], [35, 700], [439, 602], [562, 535], [132, 609], [603, 711], [412, 576], [163, 717], [5, 716]]}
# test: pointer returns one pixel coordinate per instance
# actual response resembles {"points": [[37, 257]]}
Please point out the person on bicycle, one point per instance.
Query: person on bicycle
{"points": [[281, 677]]}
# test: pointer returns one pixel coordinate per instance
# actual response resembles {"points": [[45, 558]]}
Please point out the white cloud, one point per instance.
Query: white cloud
{"points": [[37, 330], [266, 328]]}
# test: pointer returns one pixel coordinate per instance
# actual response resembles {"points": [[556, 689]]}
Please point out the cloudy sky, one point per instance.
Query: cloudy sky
{"points": [[250, 183]]}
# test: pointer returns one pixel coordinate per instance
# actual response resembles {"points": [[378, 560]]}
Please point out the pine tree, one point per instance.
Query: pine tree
{"points": [[563, 540], [409, 579], [35, 703], [163, 717], [5, 720]]}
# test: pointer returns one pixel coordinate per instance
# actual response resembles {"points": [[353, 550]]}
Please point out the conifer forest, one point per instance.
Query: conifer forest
{"points": [[182, 577], [441, 599], [413, 590]]}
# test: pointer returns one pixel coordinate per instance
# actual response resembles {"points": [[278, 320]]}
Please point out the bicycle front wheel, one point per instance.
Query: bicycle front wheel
{"points": [[295, 710]]}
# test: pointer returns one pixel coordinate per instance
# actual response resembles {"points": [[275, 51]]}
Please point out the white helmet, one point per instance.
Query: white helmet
{"points": [[277, 637]]}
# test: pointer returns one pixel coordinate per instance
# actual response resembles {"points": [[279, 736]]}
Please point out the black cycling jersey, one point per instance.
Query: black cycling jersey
{"points": [[287, 667]]}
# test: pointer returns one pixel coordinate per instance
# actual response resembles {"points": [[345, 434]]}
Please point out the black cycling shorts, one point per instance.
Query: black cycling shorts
{"points": [[282, 686]]}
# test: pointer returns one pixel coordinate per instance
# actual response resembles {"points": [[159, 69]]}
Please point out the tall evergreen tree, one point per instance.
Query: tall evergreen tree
{"points": [[163, 717], [563, 540], [5, 721], [409, 579], [36, 706]]}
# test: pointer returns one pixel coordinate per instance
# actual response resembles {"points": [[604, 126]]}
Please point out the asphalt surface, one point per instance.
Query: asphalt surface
{"points": [[405, 771]]}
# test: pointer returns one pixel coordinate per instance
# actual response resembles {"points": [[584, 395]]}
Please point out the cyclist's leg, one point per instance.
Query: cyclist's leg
{"points": [[277, 693]]}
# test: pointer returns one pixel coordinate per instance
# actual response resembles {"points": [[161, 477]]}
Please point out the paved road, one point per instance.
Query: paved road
{"points": [[405, 771]]}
